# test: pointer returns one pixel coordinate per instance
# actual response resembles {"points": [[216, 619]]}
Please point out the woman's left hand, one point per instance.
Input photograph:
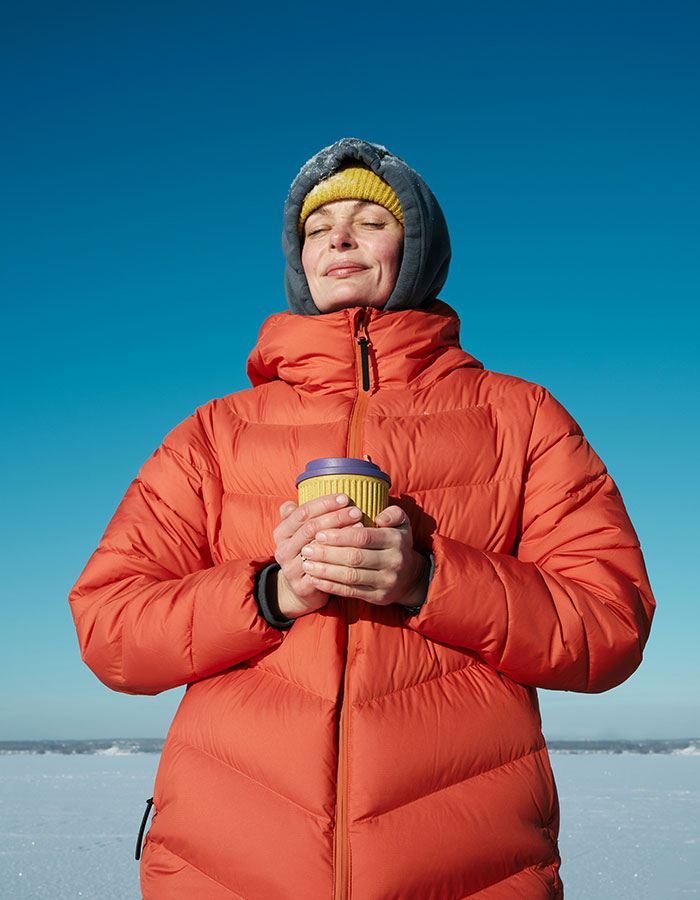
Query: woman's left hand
{"points": [[377, 565]]}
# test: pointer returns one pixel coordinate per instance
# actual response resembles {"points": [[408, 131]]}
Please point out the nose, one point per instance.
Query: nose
{"points": [[341, 236]]}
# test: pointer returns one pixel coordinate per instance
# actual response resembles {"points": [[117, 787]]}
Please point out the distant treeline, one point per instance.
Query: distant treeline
{"points": [[689, 745], [126, 746], [115, 746]]}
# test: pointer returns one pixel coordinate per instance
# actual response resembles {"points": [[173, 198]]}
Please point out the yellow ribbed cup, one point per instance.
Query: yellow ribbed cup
{"points": [[371, 495]]}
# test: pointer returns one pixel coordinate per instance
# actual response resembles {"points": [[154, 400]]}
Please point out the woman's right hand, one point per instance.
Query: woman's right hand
{"points": [[296, 595]]}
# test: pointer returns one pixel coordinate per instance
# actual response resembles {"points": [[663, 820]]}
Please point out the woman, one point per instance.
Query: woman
{"points": [[361, 717]]}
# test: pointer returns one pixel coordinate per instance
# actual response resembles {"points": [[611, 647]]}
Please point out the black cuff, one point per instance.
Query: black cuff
{"points": [[414, 610], [268, 610]]}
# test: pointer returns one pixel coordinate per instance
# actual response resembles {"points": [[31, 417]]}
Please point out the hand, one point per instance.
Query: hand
{"points": [[378, 565], [296, 594]]}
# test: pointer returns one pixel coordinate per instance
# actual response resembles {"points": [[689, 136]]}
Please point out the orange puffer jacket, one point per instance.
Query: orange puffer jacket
{"points": [[365, 753]]}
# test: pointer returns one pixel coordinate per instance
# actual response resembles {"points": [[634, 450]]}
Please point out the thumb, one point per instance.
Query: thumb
{"points": [[392, 517]]}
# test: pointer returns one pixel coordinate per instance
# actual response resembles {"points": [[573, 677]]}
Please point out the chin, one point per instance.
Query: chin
{"points": [[334, 304]]}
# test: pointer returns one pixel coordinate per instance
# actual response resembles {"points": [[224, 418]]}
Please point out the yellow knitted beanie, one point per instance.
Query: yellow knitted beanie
{"points": [[352, 182]]}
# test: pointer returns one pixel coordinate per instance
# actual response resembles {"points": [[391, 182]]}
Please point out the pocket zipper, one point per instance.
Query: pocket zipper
{"points": [[139, 839]]}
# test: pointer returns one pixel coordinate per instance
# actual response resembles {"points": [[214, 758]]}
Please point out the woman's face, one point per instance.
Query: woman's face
{"points": [[351, 254]]}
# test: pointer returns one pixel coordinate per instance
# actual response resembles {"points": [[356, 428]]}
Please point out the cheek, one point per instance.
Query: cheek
{"points": [[308, 258], [392, 258]]}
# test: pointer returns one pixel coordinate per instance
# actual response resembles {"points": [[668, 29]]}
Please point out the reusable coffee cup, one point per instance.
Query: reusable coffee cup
{"points": [[364, 483]]}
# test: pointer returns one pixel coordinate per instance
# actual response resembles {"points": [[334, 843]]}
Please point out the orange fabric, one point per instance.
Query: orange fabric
{"points": [[539, 581]]}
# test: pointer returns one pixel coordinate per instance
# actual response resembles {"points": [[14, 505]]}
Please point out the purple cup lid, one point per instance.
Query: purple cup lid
{"points": [[342, 465]]}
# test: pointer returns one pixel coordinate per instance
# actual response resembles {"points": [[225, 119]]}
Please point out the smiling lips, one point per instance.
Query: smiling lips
{"points": [[341, 268]]}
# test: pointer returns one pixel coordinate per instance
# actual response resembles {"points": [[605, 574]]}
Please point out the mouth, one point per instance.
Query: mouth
{"points": [[343, 268]]}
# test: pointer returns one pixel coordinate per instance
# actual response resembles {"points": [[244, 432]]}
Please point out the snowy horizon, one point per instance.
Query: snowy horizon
{"points": [[132, 746]]}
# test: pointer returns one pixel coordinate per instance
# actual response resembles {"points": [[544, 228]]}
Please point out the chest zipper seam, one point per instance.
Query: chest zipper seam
{"points": [[342, 866]]}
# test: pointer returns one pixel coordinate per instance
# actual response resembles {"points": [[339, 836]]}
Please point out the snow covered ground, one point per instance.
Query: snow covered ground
{"points": [[68, 825], [630, 825]]}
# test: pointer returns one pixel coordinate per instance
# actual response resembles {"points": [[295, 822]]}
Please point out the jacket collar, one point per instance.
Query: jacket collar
{"points": [[318, 353]]}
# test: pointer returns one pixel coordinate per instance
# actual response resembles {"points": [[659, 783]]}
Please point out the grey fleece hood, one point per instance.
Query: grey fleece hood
{"points": [[426, 251]]}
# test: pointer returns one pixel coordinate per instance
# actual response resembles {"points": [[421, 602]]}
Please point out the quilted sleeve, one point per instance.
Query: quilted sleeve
{"points": [[151, 610], [572, 607]]}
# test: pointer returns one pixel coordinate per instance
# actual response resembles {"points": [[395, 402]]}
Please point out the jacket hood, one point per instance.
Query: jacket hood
{"points": [[426, 251]]}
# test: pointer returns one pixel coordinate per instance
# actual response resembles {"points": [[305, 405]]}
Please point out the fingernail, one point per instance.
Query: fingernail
{"points": [[307, 551], [321, 536], [307, 566], [355, 513], [341, 499]]}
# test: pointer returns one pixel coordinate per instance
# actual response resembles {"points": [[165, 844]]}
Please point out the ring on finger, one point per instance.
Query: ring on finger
{"points": [[303, 558]]}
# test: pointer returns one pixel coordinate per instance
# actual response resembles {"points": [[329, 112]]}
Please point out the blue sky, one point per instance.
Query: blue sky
{"points": [[147, 153]]}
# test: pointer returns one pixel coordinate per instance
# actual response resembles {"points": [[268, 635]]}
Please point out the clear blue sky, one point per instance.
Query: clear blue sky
{"points": [[147, 150]]}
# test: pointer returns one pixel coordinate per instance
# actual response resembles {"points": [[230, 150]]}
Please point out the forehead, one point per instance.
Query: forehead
{"points": [[347, 208]]}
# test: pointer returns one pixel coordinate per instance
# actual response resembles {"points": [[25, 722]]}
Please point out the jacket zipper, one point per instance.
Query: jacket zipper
{"points": [[355, 432], [341, 889]]}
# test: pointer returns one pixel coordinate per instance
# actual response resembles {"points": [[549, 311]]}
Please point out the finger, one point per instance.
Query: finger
{"points": [[393, 517], [341, 577], [290, 549], [371, 538], [310, 510], [351, 565], [287, 508], [352, 557], [368, 592], [339, 521]]}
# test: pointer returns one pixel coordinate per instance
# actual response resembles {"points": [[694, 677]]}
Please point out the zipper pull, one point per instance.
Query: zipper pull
{"points": [[363, 341]]}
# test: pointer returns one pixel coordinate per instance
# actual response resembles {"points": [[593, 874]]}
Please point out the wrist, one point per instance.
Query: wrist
{"points": [[266, 598], [417, 592], [285, 599]]}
